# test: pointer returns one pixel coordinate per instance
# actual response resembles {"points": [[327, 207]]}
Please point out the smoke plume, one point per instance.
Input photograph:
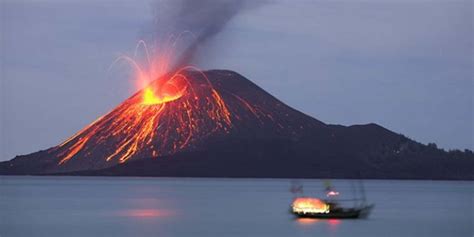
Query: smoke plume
{"points": [[203, 18]]}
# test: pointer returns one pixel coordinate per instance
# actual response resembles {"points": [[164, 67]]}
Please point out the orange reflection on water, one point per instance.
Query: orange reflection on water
{"points": [[331, 224], [145, 213], [306, 221], [334, 222]]}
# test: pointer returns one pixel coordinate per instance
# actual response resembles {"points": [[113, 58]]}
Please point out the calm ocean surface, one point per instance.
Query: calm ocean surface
{"points": [[112, 206]]}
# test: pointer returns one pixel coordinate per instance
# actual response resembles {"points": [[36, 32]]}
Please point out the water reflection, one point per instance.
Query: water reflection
{"points": [[331, 223], [334, 222], [306, 221], [145, 213]]}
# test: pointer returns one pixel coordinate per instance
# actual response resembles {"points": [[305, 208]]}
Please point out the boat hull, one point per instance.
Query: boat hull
{"points": [[351, 213]]}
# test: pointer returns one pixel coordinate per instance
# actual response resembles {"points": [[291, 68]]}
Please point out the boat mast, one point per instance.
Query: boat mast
{"points": [[362, 190]]}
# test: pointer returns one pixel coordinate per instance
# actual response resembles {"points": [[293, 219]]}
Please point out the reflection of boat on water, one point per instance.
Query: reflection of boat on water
{"points": [[329, 207]]}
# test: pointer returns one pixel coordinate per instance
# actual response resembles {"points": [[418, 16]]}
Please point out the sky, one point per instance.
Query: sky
{"points": [[406, 65]]}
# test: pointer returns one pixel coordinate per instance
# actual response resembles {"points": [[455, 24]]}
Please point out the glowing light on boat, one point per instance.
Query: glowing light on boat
{"points": [[309, 205], [332, 193]]}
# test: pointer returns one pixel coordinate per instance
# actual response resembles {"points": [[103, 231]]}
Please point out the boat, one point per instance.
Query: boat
{"points": [[330, 207]]}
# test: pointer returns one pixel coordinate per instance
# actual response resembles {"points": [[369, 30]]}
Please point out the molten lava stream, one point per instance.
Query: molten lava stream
{"points": [[163, 118]]}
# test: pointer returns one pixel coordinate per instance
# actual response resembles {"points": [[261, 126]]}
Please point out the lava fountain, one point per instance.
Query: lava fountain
{"points": [[170, 112]]}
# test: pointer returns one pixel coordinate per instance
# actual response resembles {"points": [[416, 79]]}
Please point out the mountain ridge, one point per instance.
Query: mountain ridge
{"points": [[265, 138]]}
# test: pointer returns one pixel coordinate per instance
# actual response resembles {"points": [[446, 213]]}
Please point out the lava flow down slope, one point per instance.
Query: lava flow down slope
{"points": [[217, 123], [177, 112]]}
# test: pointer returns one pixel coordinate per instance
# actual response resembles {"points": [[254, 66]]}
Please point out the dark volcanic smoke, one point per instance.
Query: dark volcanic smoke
{"points": [[203, 18]]}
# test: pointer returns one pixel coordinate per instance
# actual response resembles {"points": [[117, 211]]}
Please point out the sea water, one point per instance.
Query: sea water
{"points": [[128, 206]]}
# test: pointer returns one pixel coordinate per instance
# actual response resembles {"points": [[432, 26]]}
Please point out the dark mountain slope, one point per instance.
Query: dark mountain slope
{"points": [[261, 138]]}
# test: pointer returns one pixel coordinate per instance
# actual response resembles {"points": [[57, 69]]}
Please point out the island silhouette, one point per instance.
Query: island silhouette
{"points": [[218, 123]]}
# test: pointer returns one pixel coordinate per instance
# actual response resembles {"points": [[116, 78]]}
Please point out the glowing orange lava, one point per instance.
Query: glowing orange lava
{"points": [[169, 91], [171, 112]]}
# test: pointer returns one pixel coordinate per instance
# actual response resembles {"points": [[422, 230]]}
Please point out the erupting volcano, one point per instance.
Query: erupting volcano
{"points": [[173, 111], [168, 115], [217, 123], [179, 111]]}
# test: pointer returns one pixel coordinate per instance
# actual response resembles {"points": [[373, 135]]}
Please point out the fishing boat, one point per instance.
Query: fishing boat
{"points": [[329, 207]]}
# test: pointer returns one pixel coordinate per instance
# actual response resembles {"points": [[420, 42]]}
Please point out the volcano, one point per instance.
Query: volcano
{"points": [[217, 123]]}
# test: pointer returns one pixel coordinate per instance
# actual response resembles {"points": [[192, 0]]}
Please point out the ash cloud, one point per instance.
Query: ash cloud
{"points": [[203, 18]]}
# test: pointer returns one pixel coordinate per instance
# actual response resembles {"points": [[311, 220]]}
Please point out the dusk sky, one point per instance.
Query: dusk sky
{"points": [[406, 65]]}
